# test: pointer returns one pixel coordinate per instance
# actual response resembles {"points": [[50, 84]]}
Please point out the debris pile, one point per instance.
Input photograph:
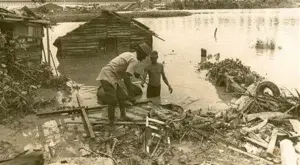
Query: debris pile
{"points": [[262, 124], [218, 71]]}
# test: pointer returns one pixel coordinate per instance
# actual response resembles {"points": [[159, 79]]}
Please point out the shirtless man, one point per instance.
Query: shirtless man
{"points": [[155, 72]]}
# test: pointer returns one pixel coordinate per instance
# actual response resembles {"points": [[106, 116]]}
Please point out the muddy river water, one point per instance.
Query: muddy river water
{"points": [[236, 36]]}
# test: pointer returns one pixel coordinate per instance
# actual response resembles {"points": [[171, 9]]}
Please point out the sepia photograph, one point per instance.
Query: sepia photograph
{"points": [[149, 82]]}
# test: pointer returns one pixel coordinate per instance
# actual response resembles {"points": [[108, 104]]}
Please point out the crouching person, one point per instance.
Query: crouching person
{"points": [[120, 68]]}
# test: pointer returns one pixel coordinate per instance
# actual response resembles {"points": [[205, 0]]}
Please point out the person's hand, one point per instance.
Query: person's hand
{"points": [[170, 89], [137, 75], [132, 100]]}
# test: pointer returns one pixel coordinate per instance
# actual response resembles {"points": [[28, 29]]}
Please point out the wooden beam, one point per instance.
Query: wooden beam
{"points": [[272, 142], [85, 118], [87, 122], [48, 46], [264, 145], [75, 110], [104, 122]]}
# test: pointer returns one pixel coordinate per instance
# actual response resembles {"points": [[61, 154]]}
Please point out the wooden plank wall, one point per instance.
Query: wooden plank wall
{"points": [[85, 41]]}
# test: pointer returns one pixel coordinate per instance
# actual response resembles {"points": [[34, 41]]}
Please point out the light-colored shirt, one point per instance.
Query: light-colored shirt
{"points": [[154, 71], [115, 70]]}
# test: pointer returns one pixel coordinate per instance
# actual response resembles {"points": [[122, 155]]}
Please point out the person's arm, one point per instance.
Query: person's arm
{"points": [[127, 80], [128, 84], [144, 76], [165, 79]]}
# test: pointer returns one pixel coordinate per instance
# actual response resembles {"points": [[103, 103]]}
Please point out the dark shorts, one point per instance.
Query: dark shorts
{"points": [[112, 96], [153, 91]]}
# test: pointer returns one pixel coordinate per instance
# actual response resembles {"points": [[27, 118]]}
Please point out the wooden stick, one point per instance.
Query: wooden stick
{"points": [[258, 126], [115, 123], [293, 107], [53, 63], [257, 142], [48, 45], [250, 155], [156, 147], [75, 110], [26, 74], [86, 119]]}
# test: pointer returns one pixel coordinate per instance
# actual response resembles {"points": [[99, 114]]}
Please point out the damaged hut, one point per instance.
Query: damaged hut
{"points": [[23, 26], [108, 33]]}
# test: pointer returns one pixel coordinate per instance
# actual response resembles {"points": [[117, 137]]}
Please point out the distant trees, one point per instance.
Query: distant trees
{"points": [[38, 1], [229, 4], [176, 4]]}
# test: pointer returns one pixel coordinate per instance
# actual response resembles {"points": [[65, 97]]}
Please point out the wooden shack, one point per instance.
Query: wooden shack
{"points": [[107, 34], [23, 26]]}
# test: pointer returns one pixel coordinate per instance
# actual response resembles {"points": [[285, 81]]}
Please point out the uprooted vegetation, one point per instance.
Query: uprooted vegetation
{"points": [[18, 83], [230, 67]]}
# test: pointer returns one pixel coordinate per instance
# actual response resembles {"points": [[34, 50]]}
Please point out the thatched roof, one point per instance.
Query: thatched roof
{"points": [[23, 15]]}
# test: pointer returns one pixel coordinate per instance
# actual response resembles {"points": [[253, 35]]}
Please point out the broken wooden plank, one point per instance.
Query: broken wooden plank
{"points": [[272, 142], [257, 127], [75, 110], [296, 125], [257, 138], [87, 122], [139, 122], [85, 118], [264, 145], [268, 116], [250, 155], [288, 154]]}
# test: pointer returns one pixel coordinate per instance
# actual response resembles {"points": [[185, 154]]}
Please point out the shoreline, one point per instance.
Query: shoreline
{"points": [[61, 17], [84, 17]]}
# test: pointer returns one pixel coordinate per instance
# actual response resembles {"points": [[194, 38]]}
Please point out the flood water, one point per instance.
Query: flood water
{"points": [[236, 36]]}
